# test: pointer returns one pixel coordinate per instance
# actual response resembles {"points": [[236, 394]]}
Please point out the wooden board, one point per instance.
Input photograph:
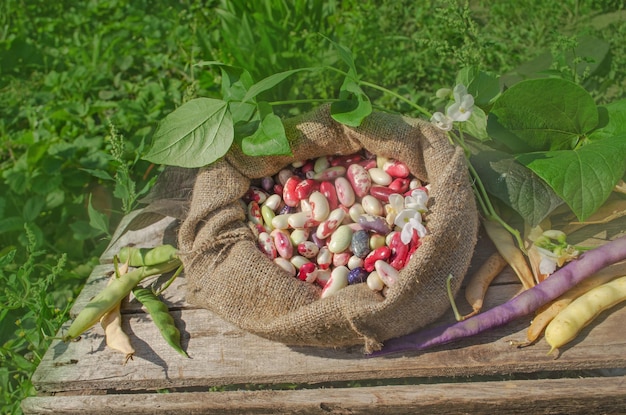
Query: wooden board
{"points": [[480, 374]]}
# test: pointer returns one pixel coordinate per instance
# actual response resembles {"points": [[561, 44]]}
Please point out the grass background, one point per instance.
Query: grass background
{"points": [[83, 85]]}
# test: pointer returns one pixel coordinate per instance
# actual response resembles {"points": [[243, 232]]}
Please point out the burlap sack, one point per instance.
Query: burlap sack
{"points": [[227, 273]]}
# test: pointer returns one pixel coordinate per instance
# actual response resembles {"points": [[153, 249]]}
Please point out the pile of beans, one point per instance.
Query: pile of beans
{"points": [[340, 220]]}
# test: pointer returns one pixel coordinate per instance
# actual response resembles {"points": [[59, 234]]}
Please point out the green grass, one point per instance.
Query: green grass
{"points": [[83, 85]]}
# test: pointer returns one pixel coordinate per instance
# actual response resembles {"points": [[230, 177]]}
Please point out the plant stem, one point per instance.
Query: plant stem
{"points": [[303, 101], [482, 196], [400, 97], [457, 315], [385, 90]]}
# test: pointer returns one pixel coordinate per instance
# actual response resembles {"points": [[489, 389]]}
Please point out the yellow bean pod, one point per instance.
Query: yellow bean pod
{"points": [[115, 336], [583, 310], [505, 245], [111, 323]]}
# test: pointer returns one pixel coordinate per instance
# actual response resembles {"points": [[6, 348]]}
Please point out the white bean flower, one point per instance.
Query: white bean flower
{"points": [[395, 205], [417, 200], [409, 220], [463, 105], [548, 262], [441, 121]]}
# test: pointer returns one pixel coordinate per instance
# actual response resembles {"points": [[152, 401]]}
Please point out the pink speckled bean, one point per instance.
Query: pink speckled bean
{"points": [[324, 258], [388, 274], [289, 191], [338, 280], [399, 185], [345, 161], [282, 243], [377, 254], [320, 208], [308, 249], [327, 227], [328, 190], [301, 220], [307, 272], [359, 179], [345, 192], [254, 213], [396, 168], [306, 187], [266, 244], [341, 258], [321, 277], [298, 261]]}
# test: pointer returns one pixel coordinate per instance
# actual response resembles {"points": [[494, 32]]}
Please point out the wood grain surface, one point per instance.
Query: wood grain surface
{"points": [[485, 373]]}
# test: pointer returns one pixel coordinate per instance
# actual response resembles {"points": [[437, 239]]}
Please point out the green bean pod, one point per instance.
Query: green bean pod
{"points": [[141, 257], [161, 316], [111, 295]]}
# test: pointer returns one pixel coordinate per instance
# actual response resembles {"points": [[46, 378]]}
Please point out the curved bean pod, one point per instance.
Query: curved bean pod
{"points": [[505, 245], [114, 335], [161, 316], [583, 310]]}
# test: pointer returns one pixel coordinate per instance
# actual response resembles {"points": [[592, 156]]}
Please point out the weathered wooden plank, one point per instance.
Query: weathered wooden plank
{"points": [[222, 354], [555, 396]]}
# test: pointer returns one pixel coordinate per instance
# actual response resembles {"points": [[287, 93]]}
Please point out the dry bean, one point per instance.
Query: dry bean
{"points": [[325, 216]]}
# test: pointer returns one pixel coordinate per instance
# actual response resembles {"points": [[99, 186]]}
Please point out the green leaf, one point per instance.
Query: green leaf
{"points": [[32, 208], [235, 85], [100, 174], [345, 54], [270, 82], [476, 126], [615, 113], [514, 184], [270, 138], [7, 258], [97, 220], [542, 114], [11, 224], [585, 177], [194, 135], [481, 85], [354, 106]]}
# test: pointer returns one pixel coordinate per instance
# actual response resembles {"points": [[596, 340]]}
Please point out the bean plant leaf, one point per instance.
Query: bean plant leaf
{"points": [[235, 85], [97, 220], [194, 135], [541, 115], [269, 139], [476, 126], [514, 184], [354, 105], [585, 177], [615, 114], [270, 82]]}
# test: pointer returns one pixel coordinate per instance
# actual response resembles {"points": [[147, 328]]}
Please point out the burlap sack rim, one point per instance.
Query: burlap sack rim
{"points": [[371, 342]]}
